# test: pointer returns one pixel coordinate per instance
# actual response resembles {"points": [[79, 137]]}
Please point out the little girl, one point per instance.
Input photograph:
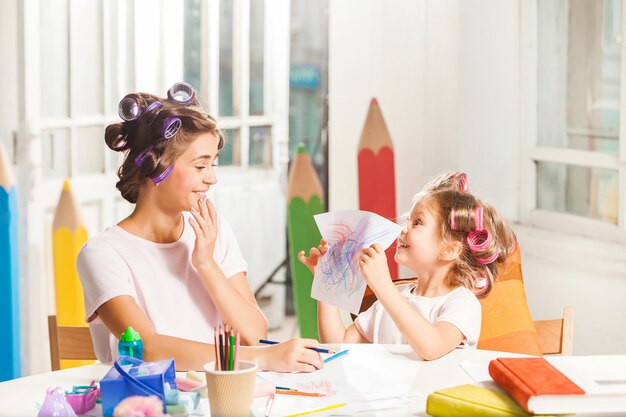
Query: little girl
{"points": [[454, 243]]}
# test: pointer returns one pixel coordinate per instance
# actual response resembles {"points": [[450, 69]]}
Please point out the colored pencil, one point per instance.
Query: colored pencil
{"points": [[377, 178], [268, 407], [222, 358], [10, 364], [317, 410], [305, 198], [237, 343], [301, 393], [69, 233], [231, 354], [218, 365], [335, 356], [320, 350], [226, 348]]}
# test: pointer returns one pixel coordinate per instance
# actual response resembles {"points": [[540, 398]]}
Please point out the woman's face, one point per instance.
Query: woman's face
{"points": [[193, 173]]}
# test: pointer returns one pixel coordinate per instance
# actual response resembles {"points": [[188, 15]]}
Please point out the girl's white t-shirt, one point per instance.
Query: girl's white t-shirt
{"points": [[159, 277], [459, 307]]}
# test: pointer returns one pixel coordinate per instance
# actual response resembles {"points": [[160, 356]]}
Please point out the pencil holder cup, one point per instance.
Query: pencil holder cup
{"points": [[231, 392]]}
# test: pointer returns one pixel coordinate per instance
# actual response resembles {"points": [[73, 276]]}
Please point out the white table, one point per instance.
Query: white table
{"points": [[21, 396]]}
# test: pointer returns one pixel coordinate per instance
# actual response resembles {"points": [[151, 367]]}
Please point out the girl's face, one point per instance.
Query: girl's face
{"points": [[420, 241], [193, 173]]}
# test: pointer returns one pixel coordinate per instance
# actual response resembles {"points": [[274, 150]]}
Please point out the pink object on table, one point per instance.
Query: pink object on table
{"points": [[187, 385]]}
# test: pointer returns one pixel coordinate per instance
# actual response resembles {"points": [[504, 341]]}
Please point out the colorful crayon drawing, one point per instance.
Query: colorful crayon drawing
{"points": [[337, 278]]}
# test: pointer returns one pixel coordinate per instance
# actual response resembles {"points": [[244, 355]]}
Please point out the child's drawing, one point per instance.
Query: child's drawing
{"points": [[337, 278]]}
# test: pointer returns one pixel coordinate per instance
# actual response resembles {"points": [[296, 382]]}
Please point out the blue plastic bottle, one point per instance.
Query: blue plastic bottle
{"points": [[130, 344]]}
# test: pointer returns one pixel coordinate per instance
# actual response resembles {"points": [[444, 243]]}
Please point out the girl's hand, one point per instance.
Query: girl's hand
{"points": [[204, 224], [291, 356], [373, 266], [314, 255]]}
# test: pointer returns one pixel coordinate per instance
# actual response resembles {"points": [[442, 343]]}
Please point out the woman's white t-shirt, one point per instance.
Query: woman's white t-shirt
{"points": [[159, 277], [459, 307]]}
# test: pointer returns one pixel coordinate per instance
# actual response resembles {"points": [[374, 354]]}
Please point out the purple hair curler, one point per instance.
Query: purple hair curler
{"points": [[142, 155], [171, 125], [129, 109], [181, 93], [163, 175]]}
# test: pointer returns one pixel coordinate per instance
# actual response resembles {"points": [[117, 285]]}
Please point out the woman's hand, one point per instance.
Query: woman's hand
{"points": [[373, 266], [314, 255], [204, 224], [292, 355]]}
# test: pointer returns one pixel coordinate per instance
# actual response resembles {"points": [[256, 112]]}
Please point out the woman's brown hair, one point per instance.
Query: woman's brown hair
{"points": [[136, 136]]}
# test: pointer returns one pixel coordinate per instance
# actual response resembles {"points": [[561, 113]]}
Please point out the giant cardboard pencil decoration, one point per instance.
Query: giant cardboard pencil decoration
{"points": [[305, 199], [377, 178], [68, 235], [10, 366]]}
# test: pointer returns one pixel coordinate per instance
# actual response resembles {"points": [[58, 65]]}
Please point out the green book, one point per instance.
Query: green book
{"points": [[473, 401]]}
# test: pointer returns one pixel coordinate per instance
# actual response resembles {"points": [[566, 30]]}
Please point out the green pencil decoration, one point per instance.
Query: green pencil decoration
{"points": [[304, 200], [10, 359]]}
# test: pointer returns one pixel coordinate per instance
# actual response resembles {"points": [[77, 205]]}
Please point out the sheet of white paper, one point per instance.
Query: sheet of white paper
{"points": [[337, 278], [356, 380], [479, 371]]}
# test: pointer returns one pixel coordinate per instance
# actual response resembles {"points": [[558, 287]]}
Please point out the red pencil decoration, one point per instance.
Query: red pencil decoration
{"points": [[377, 178]]}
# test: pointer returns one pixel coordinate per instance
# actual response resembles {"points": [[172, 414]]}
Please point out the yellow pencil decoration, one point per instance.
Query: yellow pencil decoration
{"points": [[68, 235]]}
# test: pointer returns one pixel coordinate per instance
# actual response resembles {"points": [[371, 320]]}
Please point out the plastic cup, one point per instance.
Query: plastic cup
{"points": [[231, 392]]}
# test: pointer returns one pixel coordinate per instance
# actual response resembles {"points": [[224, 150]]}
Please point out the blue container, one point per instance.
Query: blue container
{"points": [[130, 344], [139, 378]]}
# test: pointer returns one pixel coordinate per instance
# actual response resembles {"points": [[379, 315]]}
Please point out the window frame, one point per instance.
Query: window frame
{"points": [[275, 92], [531, 152]]}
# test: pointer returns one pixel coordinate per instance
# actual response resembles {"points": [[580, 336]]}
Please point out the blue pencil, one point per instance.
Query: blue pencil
{"points": [[10, 366], [320, 350], [335, 356]]}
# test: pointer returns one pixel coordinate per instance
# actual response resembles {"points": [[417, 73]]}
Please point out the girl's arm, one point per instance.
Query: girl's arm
{"points": [[428, 340], [331, 326], [120, 312]]}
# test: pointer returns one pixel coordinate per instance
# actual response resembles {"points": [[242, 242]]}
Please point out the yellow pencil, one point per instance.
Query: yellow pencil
{"points": [[68, 235], [317, 410]]}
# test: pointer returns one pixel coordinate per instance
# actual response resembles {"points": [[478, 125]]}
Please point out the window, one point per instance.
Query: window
{"points": [[235, 75], [575, 166]]}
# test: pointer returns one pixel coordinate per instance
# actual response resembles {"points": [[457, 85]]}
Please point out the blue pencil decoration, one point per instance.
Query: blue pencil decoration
{"points": [[10, 366], [335, 356], [319, 350]]}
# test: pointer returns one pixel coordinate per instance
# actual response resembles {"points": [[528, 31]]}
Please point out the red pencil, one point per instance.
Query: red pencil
{"points": [[377, 178]]}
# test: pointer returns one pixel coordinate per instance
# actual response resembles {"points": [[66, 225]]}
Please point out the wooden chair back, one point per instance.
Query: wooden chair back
{"points": [[68, 342]]}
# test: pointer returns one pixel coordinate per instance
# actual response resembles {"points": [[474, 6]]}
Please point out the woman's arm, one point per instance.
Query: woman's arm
{"points": [[235, 302], [232, 296], [120, 312]]}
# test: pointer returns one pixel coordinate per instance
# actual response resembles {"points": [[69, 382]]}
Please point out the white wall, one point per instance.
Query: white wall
{"points": [[446, 74], [8, 74]]}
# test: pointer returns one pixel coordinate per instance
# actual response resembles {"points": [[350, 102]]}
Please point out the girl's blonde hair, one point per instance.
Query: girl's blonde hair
{"points": [[459, 214]]}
